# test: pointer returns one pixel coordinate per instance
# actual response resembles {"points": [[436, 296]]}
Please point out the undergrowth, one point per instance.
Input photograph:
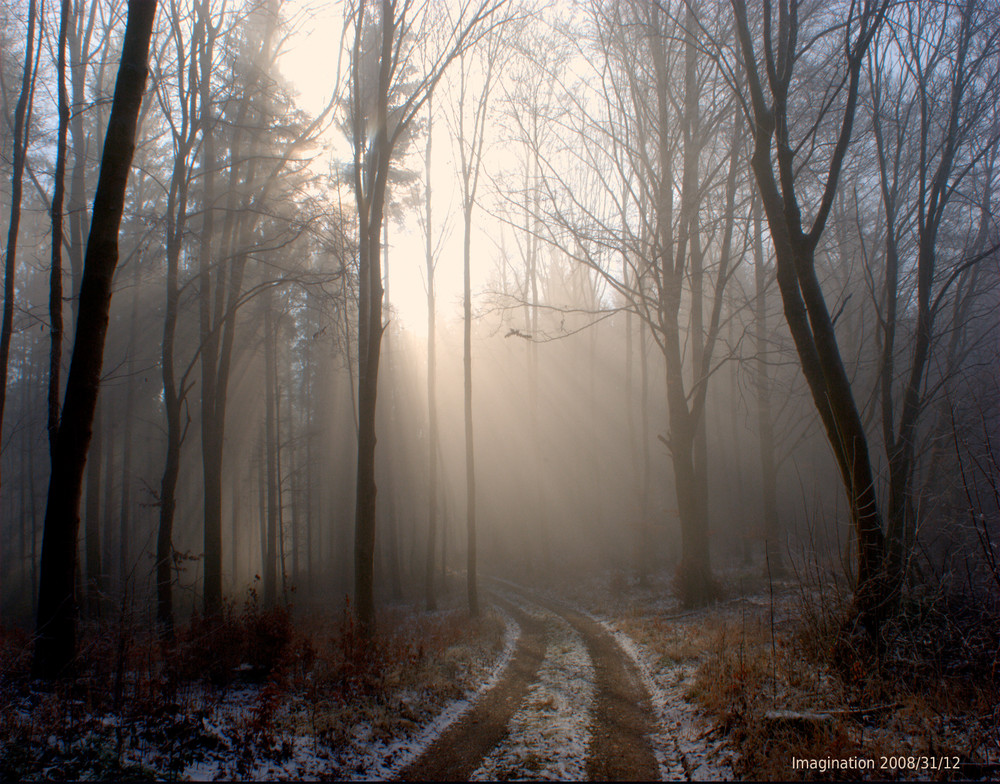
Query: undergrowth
{"points": [[802, 691], [253, 693]]}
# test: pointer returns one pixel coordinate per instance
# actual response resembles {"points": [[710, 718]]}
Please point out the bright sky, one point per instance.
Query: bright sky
{"points": [[311, 62]]}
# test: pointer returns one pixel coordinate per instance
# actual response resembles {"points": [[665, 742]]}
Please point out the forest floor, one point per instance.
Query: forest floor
{"points": [[605, 679]]}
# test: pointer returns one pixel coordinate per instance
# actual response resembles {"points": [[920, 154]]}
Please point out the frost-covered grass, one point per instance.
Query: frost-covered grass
{"points": [[679, 743], [384, 761], [666, 655], [744, 686], [262, 698], [550, 733]]}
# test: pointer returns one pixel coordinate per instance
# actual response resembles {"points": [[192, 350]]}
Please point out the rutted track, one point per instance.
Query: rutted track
{"points": [[621, 719], [460, 749]]}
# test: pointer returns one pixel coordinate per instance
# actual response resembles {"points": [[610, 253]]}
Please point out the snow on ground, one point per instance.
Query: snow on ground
{"points": [[679, 745], [368, 754], [384, 760], [550, 733], [680, 741]]}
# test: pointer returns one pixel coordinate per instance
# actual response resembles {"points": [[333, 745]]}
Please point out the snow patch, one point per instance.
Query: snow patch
{"points": [[382, 760], [549, 735], [680, 747]]}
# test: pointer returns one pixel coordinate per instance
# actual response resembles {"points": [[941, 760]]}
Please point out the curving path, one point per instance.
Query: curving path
{"points": [[622, 718], [623, 715], [460, 749]]}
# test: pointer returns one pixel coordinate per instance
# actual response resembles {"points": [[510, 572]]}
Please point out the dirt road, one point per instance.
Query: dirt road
{"points": [[620, 719]]}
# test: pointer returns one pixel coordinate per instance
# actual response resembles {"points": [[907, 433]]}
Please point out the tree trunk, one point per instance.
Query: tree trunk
{"points": [[262, 500], [693, 580], [369, 349], [371, 175], [55, 273], [432, 422], [126, 524], [279, 486], [110, 535], [22, 123], [270, 446], [56, 627], [79, 46], [470, 457], [774, 556], [805, 308], [392, 527], [173, 398], [92, 533]]}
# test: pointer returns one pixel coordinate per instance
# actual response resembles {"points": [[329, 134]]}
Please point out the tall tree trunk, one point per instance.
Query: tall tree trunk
{"points": [[56, 627], [295, 491], [55, 273], [271, 448], [392, 527], [279, 485], [805, 308], [173, 403], [694, 576], [126, 523], [34, 535], [79, 46], [262, 499], [470, 456], [110, 536], [471, 156], [312, 536], [234, 519], [768, 477], [430, 597], [22, 124], [369, 350], [173, 394], [211, 445], [372, 168], [92, 527]]}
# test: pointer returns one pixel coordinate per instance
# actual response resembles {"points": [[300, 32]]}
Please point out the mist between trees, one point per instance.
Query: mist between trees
{"points": [[703, 284]]}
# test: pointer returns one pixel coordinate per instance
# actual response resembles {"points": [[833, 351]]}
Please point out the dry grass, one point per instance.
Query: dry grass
{"points": [[237, 692], [842, 703]]}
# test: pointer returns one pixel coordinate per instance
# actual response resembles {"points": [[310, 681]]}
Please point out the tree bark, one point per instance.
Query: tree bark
{"points": [[765, 444], [58, 190], [270, 442], [79, 45], [805, 308], [56, 627], [22, 123]]}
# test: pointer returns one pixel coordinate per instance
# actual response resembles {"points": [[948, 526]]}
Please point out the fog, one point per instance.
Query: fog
{"points": [[638, 403]]}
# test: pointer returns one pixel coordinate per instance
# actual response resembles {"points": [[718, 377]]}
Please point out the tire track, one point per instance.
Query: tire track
{"points": [[460, 749], [623, 718]]}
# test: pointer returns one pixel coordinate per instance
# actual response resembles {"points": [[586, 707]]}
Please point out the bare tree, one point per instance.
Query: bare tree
{"points": [[934, 126], [660, 154], [22, 127], [383, 49], [56, 213], [430, 261], [768, 58], [476, 80], [181, 114], [56, 628]]}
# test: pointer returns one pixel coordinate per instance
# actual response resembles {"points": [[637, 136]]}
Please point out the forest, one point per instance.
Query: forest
{"points": [[500, 389]]}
